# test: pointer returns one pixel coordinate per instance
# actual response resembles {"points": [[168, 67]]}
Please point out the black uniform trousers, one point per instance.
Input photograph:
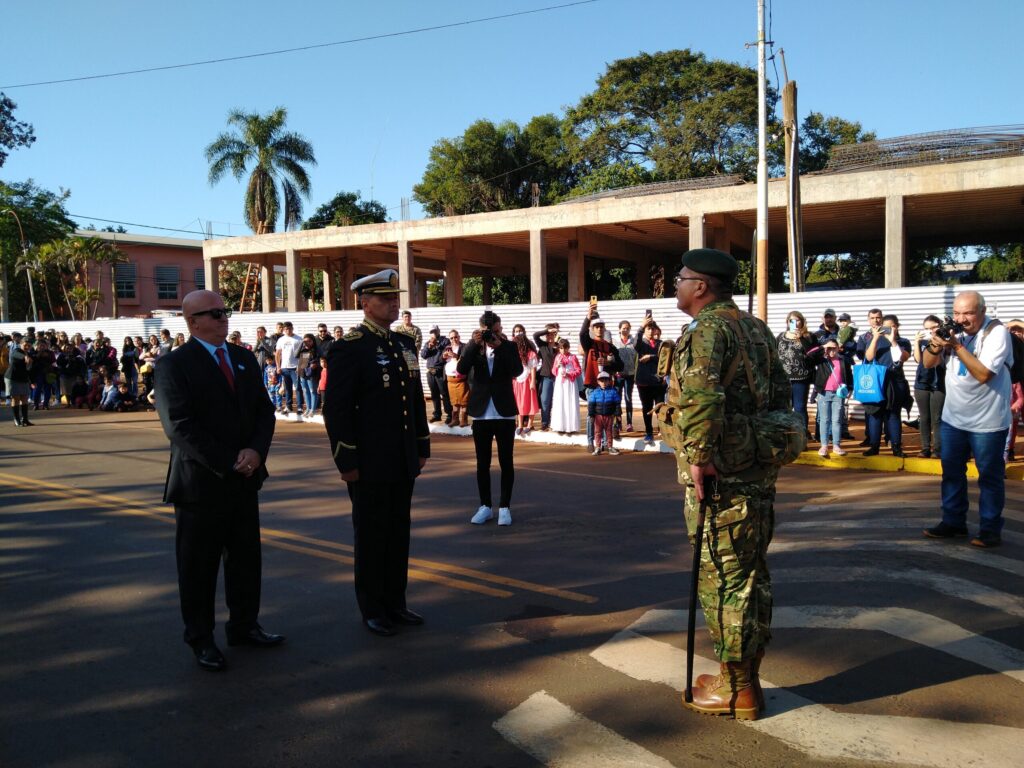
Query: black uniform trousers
{"points": [[439, 396], [381, 521], [205, 534]]}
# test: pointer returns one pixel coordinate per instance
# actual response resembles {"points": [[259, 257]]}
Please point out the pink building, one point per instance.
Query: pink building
{"points": [[159, 271]]}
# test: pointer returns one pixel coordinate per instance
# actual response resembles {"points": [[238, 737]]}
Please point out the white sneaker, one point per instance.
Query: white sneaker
{"points": [[596, 451], [504, 516], [482, 516], [613, 451]]}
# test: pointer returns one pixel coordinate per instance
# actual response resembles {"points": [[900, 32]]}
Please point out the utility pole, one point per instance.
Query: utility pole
{"points": [[762, 170], [794, 217]]}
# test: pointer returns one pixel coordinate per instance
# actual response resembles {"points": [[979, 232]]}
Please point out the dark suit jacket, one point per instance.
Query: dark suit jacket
{"points": [[208, 425], [485, 385]]}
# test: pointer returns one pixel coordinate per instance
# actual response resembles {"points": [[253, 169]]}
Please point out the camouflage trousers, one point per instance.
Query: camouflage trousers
{"points": [[734, 586]]}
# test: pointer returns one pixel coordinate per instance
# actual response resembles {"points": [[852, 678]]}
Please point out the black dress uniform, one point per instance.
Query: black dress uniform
{"points": [[377, 423]]}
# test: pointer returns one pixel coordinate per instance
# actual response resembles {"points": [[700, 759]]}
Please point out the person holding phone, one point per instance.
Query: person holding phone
{"points": [[889, 349], [490, 362], [794, 344], [929, 391], [600, 356]]}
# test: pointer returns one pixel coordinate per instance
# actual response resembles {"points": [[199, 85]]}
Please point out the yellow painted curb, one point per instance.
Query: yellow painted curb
{"points": [[913, 464]]}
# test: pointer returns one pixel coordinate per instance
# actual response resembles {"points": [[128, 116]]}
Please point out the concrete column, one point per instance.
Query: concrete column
{"points": [[895, 243], [210, 271], [293, 279], [488, 292], [407, 273], [697, 239], [452, 277], [643, 276], [267, 285], [538, 267], [330, 287], [348, 276], [576, 279]]}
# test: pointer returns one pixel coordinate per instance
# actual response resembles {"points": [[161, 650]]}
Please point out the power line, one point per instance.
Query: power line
{"points": [[350, 41], [144, 226]]}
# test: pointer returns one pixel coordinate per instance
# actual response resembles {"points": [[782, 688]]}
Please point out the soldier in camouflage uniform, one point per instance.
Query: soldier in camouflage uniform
{"points": [[725, 368]]}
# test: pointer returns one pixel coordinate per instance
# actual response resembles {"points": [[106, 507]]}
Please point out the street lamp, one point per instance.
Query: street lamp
{"points": [[28, 272]]}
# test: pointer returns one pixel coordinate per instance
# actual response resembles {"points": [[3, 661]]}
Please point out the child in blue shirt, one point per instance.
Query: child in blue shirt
{"points": [[603, 405]]}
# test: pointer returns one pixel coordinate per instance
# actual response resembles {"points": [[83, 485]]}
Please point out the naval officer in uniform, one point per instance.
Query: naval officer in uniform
{"points": [[377, 423]]}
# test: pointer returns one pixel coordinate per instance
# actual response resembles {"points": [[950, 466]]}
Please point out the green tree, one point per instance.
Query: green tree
{"points": [[493, 167], [347, 209], [819, 133], [999, 264], [675, 112], [275, 156], [14, 134], [612, 176], [43, 218]]}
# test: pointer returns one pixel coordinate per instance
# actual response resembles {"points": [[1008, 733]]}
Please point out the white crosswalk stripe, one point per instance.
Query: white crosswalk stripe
{"points": [[926, 546], [554, 734]]}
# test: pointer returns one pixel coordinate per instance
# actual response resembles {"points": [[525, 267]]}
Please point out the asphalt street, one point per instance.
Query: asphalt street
{"points": [[556, 641]]}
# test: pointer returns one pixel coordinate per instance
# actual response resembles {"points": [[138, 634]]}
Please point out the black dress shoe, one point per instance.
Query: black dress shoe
{"points": [[380, 626], [406, 617], [871, 452], [209, 657], [864, 443], [255, 636]]}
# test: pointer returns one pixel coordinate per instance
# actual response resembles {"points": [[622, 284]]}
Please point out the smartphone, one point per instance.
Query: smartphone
{"points": [[648, 313], [593, 300]]}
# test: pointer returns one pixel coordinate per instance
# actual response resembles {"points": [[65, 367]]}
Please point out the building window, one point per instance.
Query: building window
{"points": [[166, 279], [124, 280], [199, 278]]}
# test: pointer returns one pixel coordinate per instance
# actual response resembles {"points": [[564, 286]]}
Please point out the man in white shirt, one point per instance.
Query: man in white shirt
{"points": [[286, 354], [975, 418]]}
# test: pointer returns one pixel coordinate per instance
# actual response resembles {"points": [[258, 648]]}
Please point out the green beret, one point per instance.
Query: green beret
{"points": [[708, 261]]}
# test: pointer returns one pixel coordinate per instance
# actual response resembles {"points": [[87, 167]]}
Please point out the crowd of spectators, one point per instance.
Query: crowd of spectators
{"points": [[560, 375]]}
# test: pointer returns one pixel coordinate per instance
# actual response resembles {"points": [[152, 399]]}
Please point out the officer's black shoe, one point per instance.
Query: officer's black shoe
{"points": [[209, 657], [945, 531], [406, 617], [434, 419], [380, 626], [256, 637]]}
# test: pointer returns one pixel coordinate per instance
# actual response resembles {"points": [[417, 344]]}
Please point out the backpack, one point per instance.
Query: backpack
{"points": [[1017, 348]]}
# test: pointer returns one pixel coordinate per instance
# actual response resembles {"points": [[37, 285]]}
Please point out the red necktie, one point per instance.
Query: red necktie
{"points": [[225, 368]]}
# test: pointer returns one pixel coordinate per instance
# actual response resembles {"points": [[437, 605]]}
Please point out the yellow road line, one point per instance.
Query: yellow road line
{"points": [[272, 537]]}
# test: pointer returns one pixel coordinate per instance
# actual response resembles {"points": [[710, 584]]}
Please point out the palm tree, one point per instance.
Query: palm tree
{"points": [[274, 154]]}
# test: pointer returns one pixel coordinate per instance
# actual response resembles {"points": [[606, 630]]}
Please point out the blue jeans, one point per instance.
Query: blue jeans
{"points": [[800, 388], [893, 427], [288, 377], [309, 393], [547, 392], [625, 387], [987, 447], [830, 409]]}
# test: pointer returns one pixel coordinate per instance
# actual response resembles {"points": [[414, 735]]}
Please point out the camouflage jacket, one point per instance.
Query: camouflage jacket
{"points": [[709, 420]]}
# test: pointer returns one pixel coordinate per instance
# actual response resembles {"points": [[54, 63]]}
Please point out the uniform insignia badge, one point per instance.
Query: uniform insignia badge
{"points": [[352, 335], [382, 360], [411, 360], [241, 367], [386, 377]]}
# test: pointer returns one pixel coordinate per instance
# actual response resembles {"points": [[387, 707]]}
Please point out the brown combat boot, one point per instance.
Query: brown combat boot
{"points": [[703, 681], [731, 693]]}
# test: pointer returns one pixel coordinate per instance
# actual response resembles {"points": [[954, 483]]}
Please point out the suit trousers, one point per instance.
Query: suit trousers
{"points": [[503, 432], [381, 520], [439, 395], [205, 534]]}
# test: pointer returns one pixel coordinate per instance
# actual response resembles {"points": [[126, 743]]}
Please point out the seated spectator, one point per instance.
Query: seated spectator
{"points": [[929, 391], [602, 407], [78, 393], [565, 402], [458, 391], [110, 397], [833, 379], [126, 401], [95, 394]]}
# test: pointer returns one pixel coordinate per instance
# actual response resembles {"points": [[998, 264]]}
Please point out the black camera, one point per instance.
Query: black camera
{"points": [[487, 336], [948, 328]]}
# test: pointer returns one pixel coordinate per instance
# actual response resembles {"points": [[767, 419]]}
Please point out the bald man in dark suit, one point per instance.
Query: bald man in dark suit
{"points": [[215, 411]]}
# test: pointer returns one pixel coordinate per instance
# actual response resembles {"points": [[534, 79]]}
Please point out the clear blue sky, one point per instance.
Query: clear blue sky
{"points": [[131, 148]]}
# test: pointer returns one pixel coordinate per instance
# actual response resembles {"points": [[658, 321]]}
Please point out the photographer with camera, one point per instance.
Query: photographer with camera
{"points": [[929, 392], [491, 361], [434, 360], [977, 353]]}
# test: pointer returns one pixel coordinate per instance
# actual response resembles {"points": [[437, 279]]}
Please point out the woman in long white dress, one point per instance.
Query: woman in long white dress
{"points": [[565, 402]]}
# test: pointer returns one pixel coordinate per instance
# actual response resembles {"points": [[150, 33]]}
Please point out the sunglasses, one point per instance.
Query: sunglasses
{"points": [[679, 279], [216, 314]]}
